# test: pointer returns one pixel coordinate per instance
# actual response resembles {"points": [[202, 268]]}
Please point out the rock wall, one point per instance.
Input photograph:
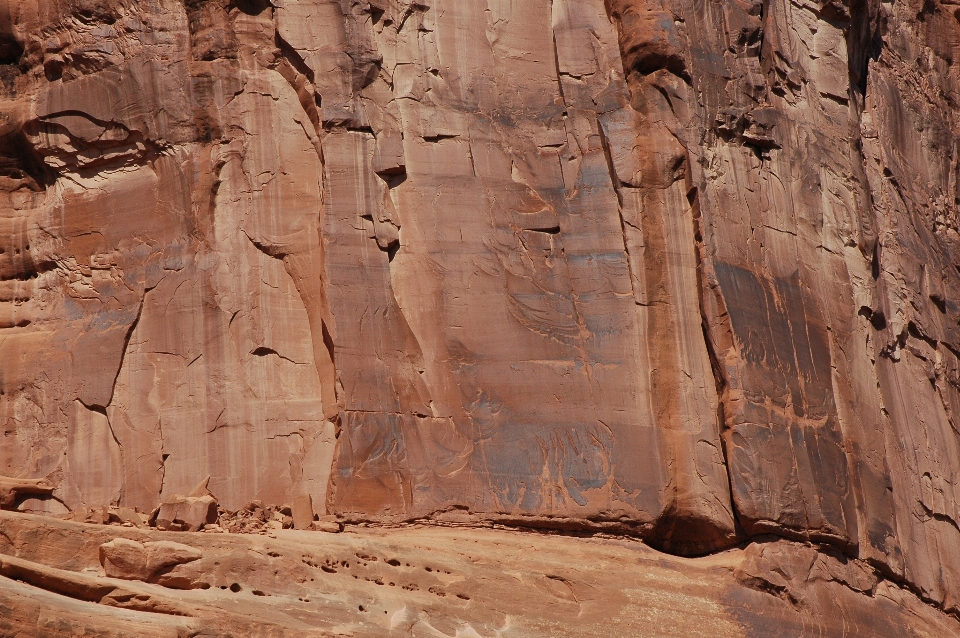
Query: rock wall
{"points": [[685, 270]]}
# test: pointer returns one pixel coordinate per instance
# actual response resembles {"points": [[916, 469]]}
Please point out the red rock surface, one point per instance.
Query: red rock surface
{"points": [[682, 272], [435, 581]]}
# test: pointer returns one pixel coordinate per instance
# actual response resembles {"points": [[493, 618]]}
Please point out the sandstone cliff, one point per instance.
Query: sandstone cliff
{"points": [[683, 271]]}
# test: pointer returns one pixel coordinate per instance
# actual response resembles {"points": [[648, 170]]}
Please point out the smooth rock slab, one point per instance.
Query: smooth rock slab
{"points": [[130, 560]]}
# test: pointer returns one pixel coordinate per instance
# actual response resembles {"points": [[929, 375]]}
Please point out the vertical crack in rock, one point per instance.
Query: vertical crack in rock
{"points": [[617, 186], [85, 433], [306, 271], [863, 45], [126, 344], [719, 379], [392, 422], [578, 318], [653, 171]]}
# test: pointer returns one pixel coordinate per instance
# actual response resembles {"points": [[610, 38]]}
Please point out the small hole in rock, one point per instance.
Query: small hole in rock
{"points": [[235, 588]]}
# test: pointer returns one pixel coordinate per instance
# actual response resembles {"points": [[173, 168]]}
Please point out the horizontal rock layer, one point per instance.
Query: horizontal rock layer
{"points": [[681, 270], [437, 581]]}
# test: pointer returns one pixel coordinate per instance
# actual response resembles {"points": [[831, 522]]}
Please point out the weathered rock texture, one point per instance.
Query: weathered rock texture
{"points": [[683, 270], [434, 582]]}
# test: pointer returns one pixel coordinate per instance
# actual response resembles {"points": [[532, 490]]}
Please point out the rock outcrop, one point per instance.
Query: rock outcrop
{"points": [[428, 581], [14, 490], [187, 513], [130, 560], [672, 270]]}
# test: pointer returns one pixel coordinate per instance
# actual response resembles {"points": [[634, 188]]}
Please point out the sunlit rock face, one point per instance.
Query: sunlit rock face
{"points": [[686, 271]]}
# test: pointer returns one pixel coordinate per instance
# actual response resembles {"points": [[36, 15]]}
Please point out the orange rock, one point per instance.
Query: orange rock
{"points": [[302, 509], [328, 524], [187, 513], [130, 560], [480, 581], [122, 558], [674, 271], [12, 489]]}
